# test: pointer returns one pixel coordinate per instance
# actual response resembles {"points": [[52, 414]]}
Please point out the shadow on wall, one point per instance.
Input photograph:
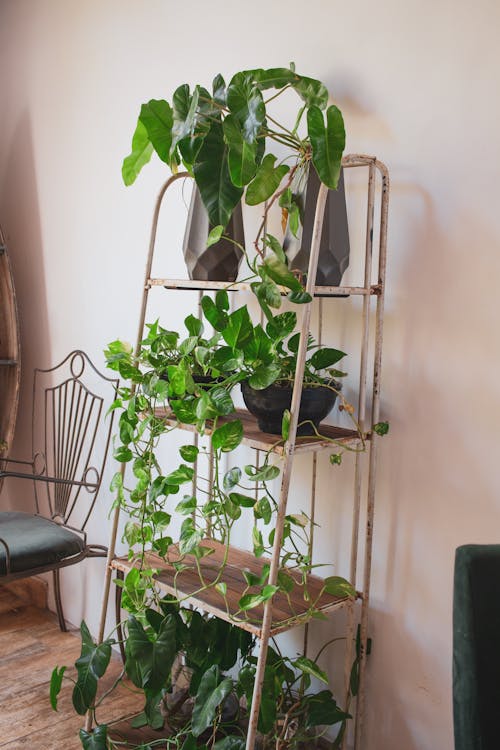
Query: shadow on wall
{"points": [[20, 218]]}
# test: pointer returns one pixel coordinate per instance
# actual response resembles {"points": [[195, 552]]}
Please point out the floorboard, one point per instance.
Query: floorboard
{"points": [[31, 645]]}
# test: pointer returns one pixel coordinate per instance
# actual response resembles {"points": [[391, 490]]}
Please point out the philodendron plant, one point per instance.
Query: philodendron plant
{"points": [[221, 137]]}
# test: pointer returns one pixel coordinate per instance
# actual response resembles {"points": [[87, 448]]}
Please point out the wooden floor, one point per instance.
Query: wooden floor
{"points": [[31, 645]]}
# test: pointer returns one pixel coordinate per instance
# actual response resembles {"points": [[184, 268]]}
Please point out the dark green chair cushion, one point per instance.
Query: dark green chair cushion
{"points": [[34, 542], [476, 647]]}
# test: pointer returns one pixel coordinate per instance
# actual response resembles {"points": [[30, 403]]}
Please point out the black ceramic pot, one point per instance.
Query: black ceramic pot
{"points": [[269, 404]]}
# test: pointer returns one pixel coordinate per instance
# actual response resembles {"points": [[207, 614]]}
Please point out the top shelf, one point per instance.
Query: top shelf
{"points": [[237, 286]]}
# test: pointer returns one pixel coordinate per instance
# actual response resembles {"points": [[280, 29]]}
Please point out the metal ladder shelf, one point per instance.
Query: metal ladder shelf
{"points": [[272, 617]]}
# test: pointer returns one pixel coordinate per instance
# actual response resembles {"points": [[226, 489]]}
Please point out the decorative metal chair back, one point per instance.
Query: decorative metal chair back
{"points": [[70, 440]]}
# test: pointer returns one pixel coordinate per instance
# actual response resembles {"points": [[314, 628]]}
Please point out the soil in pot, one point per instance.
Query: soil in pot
{"points": [[268, 405]]}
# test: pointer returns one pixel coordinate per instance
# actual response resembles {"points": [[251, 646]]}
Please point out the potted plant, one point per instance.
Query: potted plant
{"points": [[220, 138]]}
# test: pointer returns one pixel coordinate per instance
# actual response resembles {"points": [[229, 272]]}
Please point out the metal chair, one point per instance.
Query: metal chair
{"points": [[70, 439]]}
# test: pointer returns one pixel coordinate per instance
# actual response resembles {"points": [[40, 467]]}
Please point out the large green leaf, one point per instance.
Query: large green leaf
{"points": [[267, 292], [180, 476], [227, 359], [263, 376], [242, 155], [259, 348], [327, 143], [211, 692], [278, 272], [215, 316], [157, 118], [249, 601], [55, 685], [266, 181], [228, 437], [263, 474], [311, 91], [282, 325], [97, 739], [238, 329], [275, 78], [90, 666], [142, 149], [308, 666], [222, 401], [245, 102], [148, 662], [212, 176], [189, 127], [326, 357], [338, 586], [219, 89], [321, 709]]}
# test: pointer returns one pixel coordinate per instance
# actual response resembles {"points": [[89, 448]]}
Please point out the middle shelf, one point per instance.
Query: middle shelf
{"points": [[255, 438], [287, 610]]}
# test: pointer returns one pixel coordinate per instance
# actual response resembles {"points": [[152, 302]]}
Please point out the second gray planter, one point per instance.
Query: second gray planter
{"points": [[334, 248]]}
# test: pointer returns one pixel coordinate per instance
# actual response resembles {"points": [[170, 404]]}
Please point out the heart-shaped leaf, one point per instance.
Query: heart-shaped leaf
{"points": [[326, 357], [308, 666], [90, 666], [338, 586], [211, 692], [249, 601], [266, 181], [228, 437], [97, 739]]}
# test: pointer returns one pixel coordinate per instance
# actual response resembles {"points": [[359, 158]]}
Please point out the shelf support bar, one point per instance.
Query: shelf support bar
{"points": [[288, 460], [379, 328]]}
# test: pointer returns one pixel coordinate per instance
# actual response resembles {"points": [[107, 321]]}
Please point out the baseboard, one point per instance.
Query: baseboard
{"points": [[32, 591]]}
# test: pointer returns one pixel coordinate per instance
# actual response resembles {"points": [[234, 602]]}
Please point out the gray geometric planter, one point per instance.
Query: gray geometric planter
{"points": [[334, 248], [221, 261]]}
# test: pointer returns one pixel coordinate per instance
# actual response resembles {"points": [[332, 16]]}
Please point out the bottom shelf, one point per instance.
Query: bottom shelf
{"points": [[288, 611]]}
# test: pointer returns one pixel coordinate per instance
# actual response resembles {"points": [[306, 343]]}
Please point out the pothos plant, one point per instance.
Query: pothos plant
{"points": [[221, 139]]}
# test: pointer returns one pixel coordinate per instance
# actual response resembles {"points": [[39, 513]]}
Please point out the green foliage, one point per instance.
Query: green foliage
{"points": [[90, 666], [221, 138], [55, 685], [97, 739], [212, 691]]}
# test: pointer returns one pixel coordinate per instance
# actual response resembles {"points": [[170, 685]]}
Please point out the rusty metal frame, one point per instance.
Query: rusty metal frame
{"points": [[367, 291]]}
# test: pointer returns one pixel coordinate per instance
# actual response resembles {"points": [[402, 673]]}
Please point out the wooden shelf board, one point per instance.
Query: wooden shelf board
{"points": [[287, 611], [238, 286], [253, 437]]}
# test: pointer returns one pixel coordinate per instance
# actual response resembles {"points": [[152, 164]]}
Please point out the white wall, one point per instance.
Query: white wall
{"points": [[417, 82]]}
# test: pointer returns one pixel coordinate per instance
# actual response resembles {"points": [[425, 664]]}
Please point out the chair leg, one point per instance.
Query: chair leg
{"points": [[59, 607], [118, 614]]}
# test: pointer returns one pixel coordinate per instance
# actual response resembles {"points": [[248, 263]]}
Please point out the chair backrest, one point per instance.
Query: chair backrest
{"points": [[476, 647], [71, 436]]}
